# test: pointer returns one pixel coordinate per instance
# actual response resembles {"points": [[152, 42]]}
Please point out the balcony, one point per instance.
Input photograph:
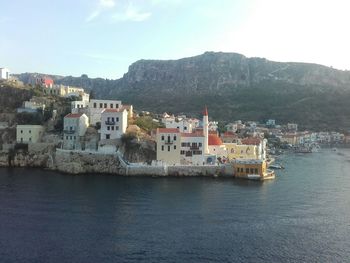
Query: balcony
{"points": [[69, 131], [110, 122], [168, 142], [194, 147]]}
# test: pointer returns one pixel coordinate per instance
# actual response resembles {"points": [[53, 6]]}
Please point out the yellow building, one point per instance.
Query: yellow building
{"points": [[241, 151], [252, 169], [29, 133], [168, 145]]}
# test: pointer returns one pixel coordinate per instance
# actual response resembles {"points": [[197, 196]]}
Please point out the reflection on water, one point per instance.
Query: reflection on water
{"points": [[301, 216]]}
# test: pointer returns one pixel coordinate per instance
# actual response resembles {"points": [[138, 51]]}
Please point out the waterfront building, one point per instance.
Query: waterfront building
{"points": [[290, 138], [113, 123], [168, 145], [4, 73], [75, 126], [252, 169], [96, 107], [192, 148], [29, 133], [216, 146]]}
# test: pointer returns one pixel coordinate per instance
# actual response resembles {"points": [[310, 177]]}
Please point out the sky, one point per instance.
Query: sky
{"points": [[101, 38]]}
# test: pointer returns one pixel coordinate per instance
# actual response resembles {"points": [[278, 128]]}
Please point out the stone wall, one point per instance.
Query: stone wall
{"points": [[87, 162]]}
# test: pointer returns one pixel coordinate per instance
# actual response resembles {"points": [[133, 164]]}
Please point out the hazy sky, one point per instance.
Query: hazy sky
{"points": [[103, 37]]}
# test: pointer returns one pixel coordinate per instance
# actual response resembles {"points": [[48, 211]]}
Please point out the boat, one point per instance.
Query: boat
{"points": [[276, 166]]}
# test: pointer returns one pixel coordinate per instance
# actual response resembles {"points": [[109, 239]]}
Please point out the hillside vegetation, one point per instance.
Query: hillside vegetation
{"points": [[233, 87]]}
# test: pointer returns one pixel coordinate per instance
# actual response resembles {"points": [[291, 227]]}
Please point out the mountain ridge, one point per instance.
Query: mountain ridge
{"points": [[234, 87]]}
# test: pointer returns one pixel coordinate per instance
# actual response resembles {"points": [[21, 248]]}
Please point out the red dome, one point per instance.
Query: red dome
{"points": [[213, 139]]}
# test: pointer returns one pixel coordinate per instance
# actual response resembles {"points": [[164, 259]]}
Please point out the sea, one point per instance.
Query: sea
{"points": [[303, 215]]}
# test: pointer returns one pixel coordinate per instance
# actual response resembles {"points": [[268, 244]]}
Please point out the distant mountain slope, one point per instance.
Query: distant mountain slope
{"points": [[234, 87]]}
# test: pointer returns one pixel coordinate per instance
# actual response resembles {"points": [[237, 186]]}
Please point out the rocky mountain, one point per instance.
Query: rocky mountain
{"points": [[233, 87]]}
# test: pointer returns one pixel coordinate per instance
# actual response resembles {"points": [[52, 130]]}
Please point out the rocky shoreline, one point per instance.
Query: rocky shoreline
{"points": [[46, 156]]}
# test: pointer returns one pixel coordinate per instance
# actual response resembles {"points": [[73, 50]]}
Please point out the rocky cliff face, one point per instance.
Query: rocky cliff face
{"points": [[233, 87]]}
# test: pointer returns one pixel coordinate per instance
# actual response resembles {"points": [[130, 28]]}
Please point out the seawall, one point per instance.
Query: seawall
{"points": [[85, 162]]}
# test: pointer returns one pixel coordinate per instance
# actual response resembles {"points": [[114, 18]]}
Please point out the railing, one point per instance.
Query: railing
{"points": [[69, 131], [110, 122]]}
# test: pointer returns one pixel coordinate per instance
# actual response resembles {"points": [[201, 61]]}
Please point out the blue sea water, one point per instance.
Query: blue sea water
{"points": [[301, 216]]}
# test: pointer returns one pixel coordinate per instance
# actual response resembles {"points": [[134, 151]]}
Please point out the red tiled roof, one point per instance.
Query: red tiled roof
{"points": [[214, 140], [230, 133], [73, 115], [251, 141], [168, 130], [184, 134]]}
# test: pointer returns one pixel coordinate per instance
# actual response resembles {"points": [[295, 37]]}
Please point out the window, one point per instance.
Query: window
{"points": [[168, 148], [251, 170], [112, 127], [116, 128], [21, 131], [100, 105], [75, 137], [71, 137], [71, 128], [30, 139], [108, 128], [112, 119], [200, 144], [185, 128], [30, 131], [183, 144], [21, 139], [174, 147], [111, 105], [66, 137], [247, 170], [116, 105], [117, 119], [108, 136], [241, 170], [182, 152], [105, 105], [256, 171], [108, 119], [168, 138], [162, 147], [162, 137], [174, 137]]}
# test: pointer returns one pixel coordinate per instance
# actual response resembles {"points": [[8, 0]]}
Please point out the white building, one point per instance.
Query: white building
{"points": [[192, 148], [96, 107], [184, 124], [168, 145], [4, 73], [29, 133], [75, 126], [213, 126], [113, 123]]}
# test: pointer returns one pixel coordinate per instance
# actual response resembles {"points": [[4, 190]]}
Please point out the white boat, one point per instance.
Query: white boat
{"points": [[276, 166]]}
